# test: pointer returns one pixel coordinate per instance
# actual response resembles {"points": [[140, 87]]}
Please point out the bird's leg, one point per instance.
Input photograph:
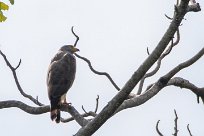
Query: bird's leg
{"points": [[64, 101]]}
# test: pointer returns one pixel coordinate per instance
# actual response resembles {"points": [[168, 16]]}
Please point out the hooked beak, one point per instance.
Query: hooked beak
{"points": [[75, 49]]}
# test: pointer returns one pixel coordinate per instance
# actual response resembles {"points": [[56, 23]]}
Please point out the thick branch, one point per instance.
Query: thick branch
{"points": [[161, 83], [75, 114], [183, 83], [24, 107], [113, 105], [43, 109]]}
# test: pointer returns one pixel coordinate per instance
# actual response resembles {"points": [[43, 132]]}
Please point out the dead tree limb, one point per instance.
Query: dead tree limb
{"points": [[17, 82], [160, 84], [114, 104]]}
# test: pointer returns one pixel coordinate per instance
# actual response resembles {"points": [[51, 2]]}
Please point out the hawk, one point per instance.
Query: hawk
{"points": [[60, 77]]}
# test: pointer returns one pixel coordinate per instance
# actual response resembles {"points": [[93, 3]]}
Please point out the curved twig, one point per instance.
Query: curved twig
{"points": [[157, 128], [148, 51], [189, 130], [84, 109], [97, 72], [24, 107], [17, 82], [77, 37], [156, 69], [18, 65]]}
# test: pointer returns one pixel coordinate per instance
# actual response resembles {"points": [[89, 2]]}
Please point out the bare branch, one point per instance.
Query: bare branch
{"points": [[97, 72], [153, 72], [17, 82], [160, 84], [185, 64], [189, 130], [44, 109], [90, 113], [24, 107], [157, 128], [77, 37], [75, 114], [176, 124], [183, 83], [114, 104]]}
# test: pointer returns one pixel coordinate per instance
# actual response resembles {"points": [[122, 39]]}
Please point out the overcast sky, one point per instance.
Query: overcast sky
{"points": [[114, 35]]}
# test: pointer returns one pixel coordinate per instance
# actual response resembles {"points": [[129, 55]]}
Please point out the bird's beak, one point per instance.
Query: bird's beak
{"points": [[75, 49]]}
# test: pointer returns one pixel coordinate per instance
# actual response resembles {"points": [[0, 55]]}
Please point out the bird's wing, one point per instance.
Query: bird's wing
{"points": [[61, 74]]}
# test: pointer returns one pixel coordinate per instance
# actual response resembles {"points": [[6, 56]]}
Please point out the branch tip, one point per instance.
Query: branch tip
{"points": [[77, 37]]}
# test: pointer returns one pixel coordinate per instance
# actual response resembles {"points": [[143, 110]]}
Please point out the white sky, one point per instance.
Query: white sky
{"points": [[114, 35]]}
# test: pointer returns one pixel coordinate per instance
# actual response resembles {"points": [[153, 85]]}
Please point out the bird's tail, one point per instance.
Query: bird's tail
{"points": [[55, 110]]}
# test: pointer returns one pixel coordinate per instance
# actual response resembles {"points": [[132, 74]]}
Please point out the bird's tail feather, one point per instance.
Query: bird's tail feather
{"points": [[55, 110]]}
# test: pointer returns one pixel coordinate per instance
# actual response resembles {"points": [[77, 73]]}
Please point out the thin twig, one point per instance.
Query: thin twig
{"points": [[168, 17], [189, 130], [83, 109], [77, 37], [17, 82], [148, 51], [176, 124], [97, 101], [157, 128], [89, 63], [97, 72], [18, 65]]}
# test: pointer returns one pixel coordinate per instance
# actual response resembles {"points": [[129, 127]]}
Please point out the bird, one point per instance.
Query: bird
{"points": [[60, 77]]}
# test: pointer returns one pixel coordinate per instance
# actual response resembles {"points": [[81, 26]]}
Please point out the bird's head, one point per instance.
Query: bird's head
{"points": [[69, 48]]}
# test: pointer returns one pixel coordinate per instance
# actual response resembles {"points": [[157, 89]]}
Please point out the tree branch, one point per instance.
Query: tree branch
{"points": [[97, 72], [89, 63], [156, 69], [24, 107], [16, 80], [44, 109], [183, 83], [160, 84], [113, 105], [90, 113]]}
